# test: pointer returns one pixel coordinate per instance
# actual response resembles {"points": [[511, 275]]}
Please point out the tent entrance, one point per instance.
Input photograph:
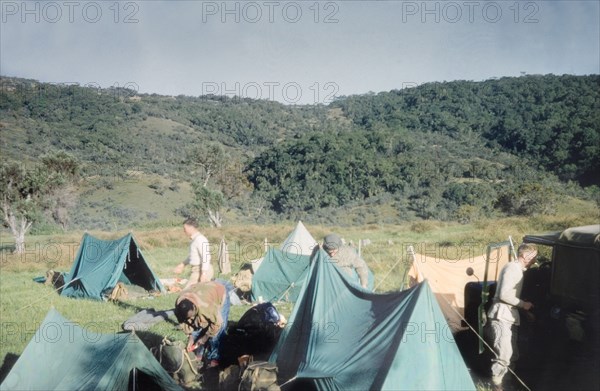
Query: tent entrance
{"points": [[136, 270], [101, 264], [141, 381]]}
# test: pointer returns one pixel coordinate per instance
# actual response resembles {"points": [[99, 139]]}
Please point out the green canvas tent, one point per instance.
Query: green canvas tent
{"points": [[340, 337], [64, 356], [101, 264], [279, 274], [282, 274], [299, 241]]}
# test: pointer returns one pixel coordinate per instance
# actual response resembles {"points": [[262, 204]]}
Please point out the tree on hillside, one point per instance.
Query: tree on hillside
{"points": [[529, 199], [217, 178], [552, 119], [20, 187], [62, 196], [208, 201], [28, 192], [207, 160]]}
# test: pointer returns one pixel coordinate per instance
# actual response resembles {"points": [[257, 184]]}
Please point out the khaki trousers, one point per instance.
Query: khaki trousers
{"points": [[503, 337]]}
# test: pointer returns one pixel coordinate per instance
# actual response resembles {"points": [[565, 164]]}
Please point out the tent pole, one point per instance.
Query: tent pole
{"points": [[484, 298]]}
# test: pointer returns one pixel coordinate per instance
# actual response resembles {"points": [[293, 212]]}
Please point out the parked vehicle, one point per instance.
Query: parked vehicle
{"points": [[560, 346]]}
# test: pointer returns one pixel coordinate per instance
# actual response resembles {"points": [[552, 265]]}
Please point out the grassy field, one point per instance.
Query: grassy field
{"points": [[24, 303]]}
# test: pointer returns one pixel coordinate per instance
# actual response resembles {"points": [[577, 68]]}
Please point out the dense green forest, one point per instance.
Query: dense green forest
{"points": [[451, 151], [554, 121]]}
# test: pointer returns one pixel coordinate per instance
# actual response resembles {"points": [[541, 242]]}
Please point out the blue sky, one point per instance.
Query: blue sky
{"points": [[294, 51]]}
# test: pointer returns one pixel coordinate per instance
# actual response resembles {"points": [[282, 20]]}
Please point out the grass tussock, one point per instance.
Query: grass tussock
{"points": [[424, 226]]}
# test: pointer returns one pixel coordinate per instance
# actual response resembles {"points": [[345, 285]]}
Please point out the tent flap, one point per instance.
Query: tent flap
{"points": [[344, 337]]}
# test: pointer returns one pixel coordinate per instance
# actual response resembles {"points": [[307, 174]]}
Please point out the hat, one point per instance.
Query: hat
{"points": [[332, 242]]}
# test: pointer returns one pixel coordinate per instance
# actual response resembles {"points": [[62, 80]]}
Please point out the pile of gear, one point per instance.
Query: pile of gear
{"points": [[246, 347]]}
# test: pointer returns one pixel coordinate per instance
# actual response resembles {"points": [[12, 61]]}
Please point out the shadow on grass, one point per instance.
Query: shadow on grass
{"points": [[9, 361], [137, 309]]}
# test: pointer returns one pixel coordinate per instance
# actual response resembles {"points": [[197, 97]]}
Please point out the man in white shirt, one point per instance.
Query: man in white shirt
{"points": [[503, 314], [199, 258]]}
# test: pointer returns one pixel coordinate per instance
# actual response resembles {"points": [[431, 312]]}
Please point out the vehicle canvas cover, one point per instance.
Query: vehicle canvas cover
{"points": [[575, 278]]}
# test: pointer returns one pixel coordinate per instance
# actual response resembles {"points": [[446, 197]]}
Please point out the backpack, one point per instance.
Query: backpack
{"points": [[55, 279], [229, 378], [119, 292], [243, 280], [259, 330], [177, 361], [260, 314], [259, 376]]}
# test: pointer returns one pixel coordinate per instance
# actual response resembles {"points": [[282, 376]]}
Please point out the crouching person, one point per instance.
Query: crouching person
{"points": [[202, 310]]}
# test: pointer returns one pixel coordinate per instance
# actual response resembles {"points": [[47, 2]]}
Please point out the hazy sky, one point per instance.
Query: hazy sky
{"points": [[294, 51]]}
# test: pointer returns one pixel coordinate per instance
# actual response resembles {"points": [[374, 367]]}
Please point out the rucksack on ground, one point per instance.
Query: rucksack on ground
{"points": [[229, 378], [259, 376], [55, 279], [174, 358], [260, 314], [255, 334], [119, 292]]}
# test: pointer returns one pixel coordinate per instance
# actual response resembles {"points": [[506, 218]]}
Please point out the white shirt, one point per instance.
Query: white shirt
{"points": [[199, 252], [506, 300]]}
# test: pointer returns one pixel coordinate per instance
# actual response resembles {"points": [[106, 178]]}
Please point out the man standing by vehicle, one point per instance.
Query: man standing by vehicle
{"points": [[199, 257], [503, 315]]}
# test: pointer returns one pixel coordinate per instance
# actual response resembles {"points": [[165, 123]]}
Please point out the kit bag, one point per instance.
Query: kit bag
{"points": [[259, 376], [177, 361]]}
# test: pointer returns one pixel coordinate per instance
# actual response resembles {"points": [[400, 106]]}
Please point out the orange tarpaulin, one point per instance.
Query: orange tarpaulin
{"points": [[448, 277]]}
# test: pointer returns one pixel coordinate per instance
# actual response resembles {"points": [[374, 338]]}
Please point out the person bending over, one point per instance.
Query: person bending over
{"points": [[202, 310]]}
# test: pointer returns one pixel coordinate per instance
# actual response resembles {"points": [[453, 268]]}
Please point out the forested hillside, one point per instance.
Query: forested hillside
{"points": [[552, 120], [451, 151], [119, 126]]}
